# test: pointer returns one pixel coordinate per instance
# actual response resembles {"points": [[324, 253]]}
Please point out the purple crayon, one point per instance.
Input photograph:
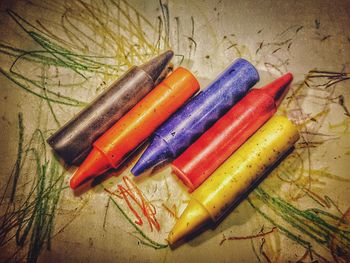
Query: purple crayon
{"points": [[198, 115]]}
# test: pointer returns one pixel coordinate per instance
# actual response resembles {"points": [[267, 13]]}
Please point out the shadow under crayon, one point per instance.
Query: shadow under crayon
{"points": [[202, 235]]}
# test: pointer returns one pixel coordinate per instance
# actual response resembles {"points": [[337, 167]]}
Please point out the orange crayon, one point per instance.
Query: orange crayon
{"points": [[111, 149]]}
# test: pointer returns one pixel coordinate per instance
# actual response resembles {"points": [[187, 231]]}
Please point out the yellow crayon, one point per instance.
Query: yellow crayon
{"points": [[235, 176]]}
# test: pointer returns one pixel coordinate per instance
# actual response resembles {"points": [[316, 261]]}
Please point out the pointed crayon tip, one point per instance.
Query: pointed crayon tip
{"points": [[94, 165], [156, 66], [192, 219], [156, 153], [279, 88]]}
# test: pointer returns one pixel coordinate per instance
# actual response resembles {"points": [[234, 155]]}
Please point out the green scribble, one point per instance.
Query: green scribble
{"points": [[316, 224], [27, 88], [30, 220], [17, 168], [317, 23], [57, 53]]}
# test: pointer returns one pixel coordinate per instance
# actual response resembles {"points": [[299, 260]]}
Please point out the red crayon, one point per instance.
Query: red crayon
{"points": [[206, 154]]}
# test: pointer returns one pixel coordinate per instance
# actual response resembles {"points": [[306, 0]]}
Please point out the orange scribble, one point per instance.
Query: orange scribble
{"points": [[112, 193], [171, 212], [134, 196]]}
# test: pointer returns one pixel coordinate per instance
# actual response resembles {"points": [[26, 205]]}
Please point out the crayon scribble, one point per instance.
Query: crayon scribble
{"points": [[137, 204], [61, 49], [260, 234], [70, 52], [81, 44], [143, 238], [323, 225], [29, 213], [131, 194]]}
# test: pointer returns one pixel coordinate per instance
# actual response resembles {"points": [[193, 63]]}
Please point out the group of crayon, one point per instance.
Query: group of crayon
{"points": [[220, 141]]}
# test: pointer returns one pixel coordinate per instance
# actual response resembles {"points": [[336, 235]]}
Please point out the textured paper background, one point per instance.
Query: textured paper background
{"points": [[75, 48]]}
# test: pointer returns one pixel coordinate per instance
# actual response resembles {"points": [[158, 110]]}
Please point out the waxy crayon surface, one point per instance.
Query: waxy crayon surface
{"points": [[74, 140], [236, 175], [112, 148], [229, 132], [194, 118]]}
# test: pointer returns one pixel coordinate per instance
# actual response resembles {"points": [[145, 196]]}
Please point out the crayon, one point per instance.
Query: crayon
{"points": [[206, 154], [195, 117], [113, 147], [226, 186], [74, 140]]}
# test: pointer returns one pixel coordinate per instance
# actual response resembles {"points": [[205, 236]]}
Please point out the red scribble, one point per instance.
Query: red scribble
{"points": [[133, 196], [248, 237], [223, 240], [262, 252]]}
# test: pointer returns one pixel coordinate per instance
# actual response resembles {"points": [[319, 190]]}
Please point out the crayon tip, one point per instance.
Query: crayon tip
{"points": [[156, 153], [94, 165], [279, 88], [192, 219], [156, 66]]}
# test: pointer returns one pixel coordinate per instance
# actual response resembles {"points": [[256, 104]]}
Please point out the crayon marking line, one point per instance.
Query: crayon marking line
{"points": [[309, 222], [262, 252], [57, 56], [274, 229], [130, 191], [345, 220], [146, 240], [171, 212], [61, 8], [31, 219]]}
